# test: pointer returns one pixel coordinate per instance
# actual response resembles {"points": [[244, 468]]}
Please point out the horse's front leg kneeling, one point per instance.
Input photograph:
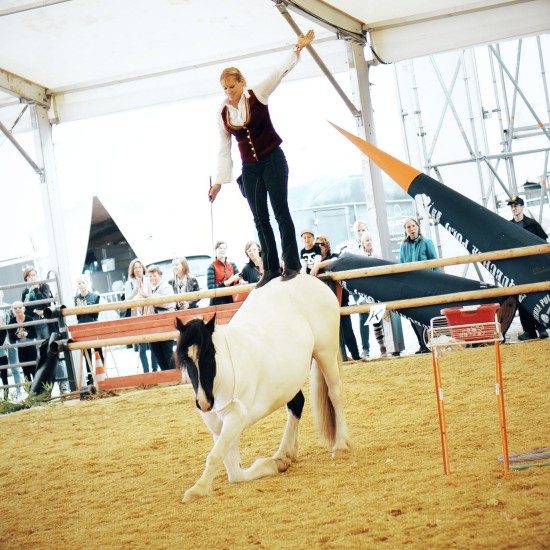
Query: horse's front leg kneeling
{"points": [[203, 487], [265, 467]]}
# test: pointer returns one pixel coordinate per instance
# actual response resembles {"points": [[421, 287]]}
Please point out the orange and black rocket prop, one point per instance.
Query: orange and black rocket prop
{"points": [[474, 226]]}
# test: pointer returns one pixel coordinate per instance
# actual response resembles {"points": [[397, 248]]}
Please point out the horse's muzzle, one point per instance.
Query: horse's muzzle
{"points": [[206, 406]]}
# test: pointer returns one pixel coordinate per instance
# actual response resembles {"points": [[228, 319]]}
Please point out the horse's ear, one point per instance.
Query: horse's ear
{"points": [[211, 325], [179, 324]]}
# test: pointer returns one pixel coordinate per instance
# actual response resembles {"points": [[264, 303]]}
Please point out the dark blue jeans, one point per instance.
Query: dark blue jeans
{"points": [[269, 178]]}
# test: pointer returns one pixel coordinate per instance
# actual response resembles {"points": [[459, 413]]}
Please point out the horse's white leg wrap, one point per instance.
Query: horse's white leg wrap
{"points": [[288, 449], [232, 427]]}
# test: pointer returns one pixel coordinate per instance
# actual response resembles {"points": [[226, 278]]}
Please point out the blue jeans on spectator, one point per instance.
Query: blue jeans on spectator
{"points": [[16, 372], [61, 373], [42, 332], [154, 362], [142, 349], [364, 331], [145, 360]]}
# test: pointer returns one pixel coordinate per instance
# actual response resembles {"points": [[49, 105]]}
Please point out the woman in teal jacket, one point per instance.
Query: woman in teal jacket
{"points": [[417, 248]]}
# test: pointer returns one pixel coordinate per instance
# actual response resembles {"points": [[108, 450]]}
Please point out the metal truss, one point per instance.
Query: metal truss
{"points": [[478, 120]]}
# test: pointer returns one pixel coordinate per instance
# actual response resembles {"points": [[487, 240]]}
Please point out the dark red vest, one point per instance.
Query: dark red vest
{"points": [[257, 137]]}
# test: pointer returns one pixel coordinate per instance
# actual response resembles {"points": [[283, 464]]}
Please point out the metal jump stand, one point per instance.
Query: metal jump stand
{"points": [[459, 327]]}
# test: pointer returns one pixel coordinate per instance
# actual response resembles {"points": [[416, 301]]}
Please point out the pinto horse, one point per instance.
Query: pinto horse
{"points": [[245, 370]]}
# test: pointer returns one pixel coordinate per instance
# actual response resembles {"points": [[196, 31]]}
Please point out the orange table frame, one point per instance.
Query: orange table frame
{"points": [[440, 328]]}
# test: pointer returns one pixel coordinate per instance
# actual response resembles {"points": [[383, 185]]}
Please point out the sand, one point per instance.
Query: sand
{"points": [[110, 473]]}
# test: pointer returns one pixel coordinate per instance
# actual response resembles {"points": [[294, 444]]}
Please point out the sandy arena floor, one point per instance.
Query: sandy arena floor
{"points": [[110, 473]]}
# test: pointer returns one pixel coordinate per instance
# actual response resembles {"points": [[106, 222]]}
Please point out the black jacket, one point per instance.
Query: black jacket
{"points": [[531, 225]]}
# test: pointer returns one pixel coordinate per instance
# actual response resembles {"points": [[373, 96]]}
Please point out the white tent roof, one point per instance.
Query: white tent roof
{"points": [[85, 58], [99, 56]]}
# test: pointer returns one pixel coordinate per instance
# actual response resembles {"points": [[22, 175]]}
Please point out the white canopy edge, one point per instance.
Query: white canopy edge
{"points": [[402, 40]]}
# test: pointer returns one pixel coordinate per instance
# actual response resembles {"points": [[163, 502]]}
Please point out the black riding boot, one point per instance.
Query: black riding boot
{"points": [[289, 274], [267, 276]]}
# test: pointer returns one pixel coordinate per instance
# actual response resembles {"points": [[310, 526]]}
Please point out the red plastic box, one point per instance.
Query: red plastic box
{"points": [[472, 322]]}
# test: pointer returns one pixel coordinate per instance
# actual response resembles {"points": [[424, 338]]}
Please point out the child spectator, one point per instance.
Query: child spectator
{"points": [[311, 254]]}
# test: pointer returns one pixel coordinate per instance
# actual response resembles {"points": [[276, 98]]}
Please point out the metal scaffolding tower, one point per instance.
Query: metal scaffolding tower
{"points": [[478, 120]]}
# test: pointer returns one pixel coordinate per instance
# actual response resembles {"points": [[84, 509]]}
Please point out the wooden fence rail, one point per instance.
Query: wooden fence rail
{"points": [[135, 330], [443, 262]]}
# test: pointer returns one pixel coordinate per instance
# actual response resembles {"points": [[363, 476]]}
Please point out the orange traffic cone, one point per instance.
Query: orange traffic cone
{"points": [[100, 373]]}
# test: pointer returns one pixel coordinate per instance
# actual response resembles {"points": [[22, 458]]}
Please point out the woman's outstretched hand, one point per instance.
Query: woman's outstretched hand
{"points": [[213, 191], [306, 40]]}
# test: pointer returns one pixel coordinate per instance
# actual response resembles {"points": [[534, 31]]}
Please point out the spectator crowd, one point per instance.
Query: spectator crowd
{"points": [[23, 325]]}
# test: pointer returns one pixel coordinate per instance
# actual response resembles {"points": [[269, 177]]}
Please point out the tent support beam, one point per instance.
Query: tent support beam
{"points": [[372, 176], [20, 148], [51, 201], [24, 89], [319, 61], [331, 18]]}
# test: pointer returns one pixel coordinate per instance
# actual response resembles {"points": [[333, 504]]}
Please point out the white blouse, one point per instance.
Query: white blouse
{"points": [[237, 116]]}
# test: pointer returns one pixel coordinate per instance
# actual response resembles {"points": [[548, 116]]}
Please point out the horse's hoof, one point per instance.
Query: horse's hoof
{"points": [[191, 495], [282, 464], [339, 453]]}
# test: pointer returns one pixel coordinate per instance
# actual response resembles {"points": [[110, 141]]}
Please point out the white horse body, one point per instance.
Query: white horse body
{"points": [[255, 335], [262, 360]]}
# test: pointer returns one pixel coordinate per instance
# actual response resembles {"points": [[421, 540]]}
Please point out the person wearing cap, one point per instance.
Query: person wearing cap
{"points": [[310, 255], [517, 205], [529, 324], [245, 115]]}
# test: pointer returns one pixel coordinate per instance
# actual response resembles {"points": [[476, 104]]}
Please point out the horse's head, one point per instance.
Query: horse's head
{"points": [[195, 353]]}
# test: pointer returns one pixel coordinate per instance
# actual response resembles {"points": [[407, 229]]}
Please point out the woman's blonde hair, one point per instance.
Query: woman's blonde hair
{"points": [[232, 72], [323, 239], [131, 268]]}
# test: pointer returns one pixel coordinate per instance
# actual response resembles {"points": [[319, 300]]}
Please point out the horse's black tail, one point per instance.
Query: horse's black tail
{"points": [[323, 410]]}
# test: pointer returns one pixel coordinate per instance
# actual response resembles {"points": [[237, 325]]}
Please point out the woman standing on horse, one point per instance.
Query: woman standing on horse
{"points": [[245, 115]]}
